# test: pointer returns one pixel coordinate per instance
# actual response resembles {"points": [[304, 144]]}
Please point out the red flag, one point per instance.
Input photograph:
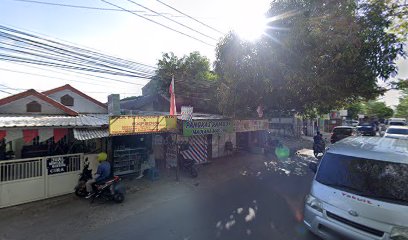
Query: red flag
{"points": [[29, 135], [3, 134], [173, 109], [59, 133]]}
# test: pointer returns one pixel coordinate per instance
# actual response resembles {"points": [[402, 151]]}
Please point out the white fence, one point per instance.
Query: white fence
{"points": [[26, 180]]}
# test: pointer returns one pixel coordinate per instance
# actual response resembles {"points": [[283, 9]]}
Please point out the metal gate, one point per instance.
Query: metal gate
{"points": [[31, 179]]}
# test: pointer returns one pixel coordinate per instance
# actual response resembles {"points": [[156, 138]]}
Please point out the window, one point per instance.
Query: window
{"points": [[33, 107], [67, 100], [381, 180], [36, 141], [401, 131]]}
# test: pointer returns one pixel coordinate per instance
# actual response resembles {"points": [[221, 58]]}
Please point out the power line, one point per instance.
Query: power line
{"points": [[150, 20], [179, 23], [40, 75], [51, 53], [91, 8], [75, 54], [191, 17], [82, 73]]}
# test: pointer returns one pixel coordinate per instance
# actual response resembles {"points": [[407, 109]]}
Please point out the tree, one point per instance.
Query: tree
{"points": [[402, 108], [379, 109], [194, 80], [354, 109], [316, 56]]}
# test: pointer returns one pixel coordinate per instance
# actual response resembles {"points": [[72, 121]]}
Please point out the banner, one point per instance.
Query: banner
{"points": [[125, 125], [250, 125], [205, 127]]}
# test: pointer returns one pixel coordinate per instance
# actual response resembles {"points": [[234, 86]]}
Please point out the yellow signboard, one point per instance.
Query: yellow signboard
{"points": [[124, 125]]}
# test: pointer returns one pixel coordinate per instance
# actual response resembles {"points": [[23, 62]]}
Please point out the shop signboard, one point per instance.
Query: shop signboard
{"points": [[125, 125], [57, 165], [205, 127], [250, 125]]}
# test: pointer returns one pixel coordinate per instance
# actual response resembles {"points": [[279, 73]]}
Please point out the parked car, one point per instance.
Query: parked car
{"points": [[360, 190], [342, 132], [367, 129], [397, 123], [352, 123], [400, 132]]}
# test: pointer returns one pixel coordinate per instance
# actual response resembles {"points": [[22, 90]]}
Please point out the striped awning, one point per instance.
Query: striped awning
{"points": [[89, 133]]}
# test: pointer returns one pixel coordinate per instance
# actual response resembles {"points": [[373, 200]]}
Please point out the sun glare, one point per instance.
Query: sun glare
{"points": [[250, 22], [252, 28]]}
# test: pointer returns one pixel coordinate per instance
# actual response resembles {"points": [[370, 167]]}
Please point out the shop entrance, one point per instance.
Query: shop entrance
{"points": [[130, 152]]}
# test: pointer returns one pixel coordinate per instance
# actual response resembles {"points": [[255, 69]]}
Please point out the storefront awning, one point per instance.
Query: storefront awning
{"points": [[86, 134]]}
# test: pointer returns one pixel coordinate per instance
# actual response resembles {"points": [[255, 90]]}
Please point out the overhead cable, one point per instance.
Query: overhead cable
{"points": [[172, 20], [208, 26], [160, 24]]}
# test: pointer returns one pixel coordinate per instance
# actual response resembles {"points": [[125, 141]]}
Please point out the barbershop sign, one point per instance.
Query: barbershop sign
{"points": [[205, 127]]}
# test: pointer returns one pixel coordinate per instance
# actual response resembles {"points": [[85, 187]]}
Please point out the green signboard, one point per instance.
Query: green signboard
{"points": [[205, 127]]}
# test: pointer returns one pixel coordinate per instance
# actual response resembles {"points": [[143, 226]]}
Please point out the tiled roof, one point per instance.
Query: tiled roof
{"points": [[13, 121], [32, 92], [72, 89], [86, 134]]}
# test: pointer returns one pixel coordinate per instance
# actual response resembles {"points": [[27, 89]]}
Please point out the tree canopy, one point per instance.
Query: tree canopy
{"points": [[378, 109], [317, 55], [194, 80], [402, 108]]}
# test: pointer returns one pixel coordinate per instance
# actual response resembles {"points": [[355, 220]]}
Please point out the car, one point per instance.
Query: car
{"points": [[367, 129], [353, 123], [397, 123], [342, 132], [397, 132], [360, 190]]}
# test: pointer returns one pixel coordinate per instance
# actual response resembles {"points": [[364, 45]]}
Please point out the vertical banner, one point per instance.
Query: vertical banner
{"points": [[171, 151]]}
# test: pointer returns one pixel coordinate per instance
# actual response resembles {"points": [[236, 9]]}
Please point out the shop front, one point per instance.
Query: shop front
{"points": [[251, 135], [206, 138], [134, 138]]}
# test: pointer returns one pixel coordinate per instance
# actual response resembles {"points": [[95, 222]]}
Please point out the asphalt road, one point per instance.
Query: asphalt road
{"points": [[262, 206]]}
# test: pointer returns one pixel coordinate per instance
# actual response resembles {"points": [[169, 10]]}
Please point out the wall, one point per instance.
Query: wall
{"points": [[81, 104], [19, 107], [218, 144]]}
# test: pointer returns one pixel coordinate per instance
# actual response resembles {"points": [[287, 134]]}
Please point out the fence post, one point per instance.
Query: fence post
{"points": [[45, 175]]}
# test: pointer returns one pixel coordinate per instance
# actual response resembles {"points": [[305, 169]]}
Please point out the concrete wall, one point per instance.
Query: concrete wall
{"points": [[20, 107], [81, 104]]}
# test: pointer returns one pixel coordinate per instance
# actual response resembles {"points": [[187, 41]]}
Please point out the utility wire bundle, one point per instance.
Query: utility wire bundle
{"points": [[21, 47]]}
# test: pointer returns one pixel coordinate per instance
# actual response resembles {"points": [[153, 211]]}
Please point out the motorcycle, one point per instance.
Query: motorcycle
{"points": [[188, 165], [111, 189], [319, 149]]}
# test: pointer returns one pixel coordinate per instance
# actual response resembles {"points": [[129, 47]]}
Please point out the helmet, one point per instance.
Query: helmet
{"points": [[102, 156]]}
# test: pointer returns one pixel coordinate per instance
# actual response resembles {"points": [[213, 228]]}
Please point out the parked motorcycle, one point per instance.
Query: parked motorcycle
{"points": [[189, 166], [111, 189]]}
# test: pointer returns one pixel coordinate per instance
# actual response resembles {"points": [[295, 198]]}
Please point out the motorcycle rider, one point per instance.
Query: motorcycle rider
{"points": [[102, 173], [318, 142]]}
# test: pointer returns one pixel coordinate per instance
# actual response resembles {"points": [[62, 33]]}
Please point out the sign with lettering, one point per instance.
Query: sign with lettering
{"points": [[250, 125], [205, 127], [124, 125], [171, 152], [57, 165]]}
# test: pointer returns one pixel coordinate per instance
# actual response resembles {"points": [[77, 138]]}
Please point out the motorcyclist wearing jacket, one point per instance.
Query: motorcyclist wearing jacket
{"points": [[318, 139], [102, 173]]}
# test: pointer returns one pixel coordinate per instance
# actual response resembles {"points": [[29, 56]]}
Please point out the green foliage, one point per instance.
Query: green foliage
{"points": [[379, 109], [318, 55], [194, 80], [355, 109], [402, 108]]}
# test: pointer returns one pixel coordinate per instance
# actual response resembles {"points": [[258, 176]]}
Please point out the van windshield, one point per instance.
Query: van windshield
{"points": [[380, 180]]}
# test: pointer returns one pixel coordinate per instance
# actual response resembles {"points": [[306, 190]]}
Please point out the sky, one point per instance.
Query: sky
{"points": [[122, 34]]}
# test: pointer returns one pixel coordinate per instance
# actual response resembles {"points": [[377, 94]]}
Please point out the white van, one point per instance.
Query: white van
{"points": [[360, 190]]}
